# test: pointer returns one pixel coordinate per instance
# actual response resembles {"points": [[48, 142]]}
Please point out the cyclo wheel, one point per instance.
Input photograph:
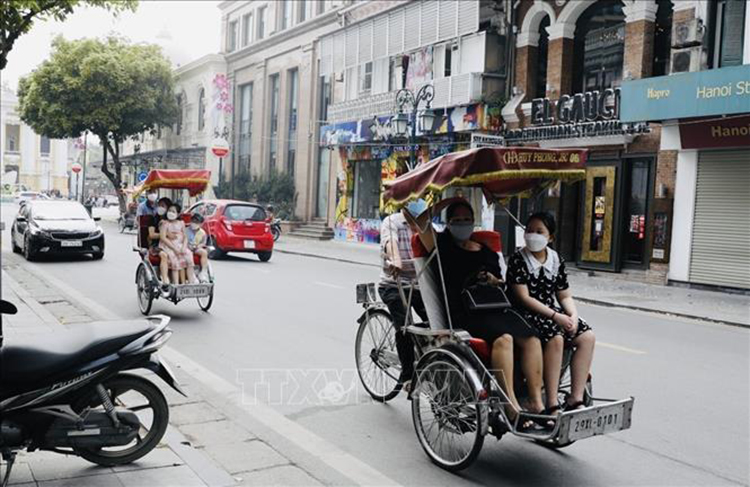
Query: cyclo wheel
{"points": [[375, 351], [143, 289], [448, 417], [205, 302]]}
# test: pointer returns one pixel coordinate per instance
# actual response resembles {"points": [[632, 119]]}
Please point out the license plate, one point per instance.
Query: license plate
{"points": [[249, 244], [601, 420], [71, 243], [193, 290]]}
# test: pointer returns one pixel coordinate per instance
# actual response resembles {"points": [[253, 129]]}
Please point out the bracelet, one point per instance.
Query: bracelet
{"points": [[553, 315]]}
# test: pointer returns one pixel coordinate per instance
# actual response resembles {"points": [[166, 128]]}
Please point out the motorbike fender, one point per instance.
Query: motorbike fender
{"points": [[373, 308], [161, 369]]}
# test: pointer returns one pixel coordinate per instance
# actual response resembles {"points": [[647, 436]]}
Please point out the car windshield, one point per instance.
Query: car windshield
{"points": [[245, 212], [59, 211]]}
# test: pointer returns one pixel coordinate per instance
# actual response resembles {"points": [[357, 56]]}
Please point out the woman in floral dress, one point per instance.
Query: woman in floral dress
{"points": [[173, 241], [539, 283]]}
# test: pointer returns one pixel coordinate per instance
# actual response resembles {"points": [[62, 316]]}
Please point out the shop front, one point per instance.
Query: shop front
{"points": [[708, 124]]}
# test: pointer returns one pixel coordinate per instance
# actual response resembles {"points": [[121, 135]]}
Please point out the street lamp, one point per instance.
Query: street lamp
{"points": [[408, 106]]}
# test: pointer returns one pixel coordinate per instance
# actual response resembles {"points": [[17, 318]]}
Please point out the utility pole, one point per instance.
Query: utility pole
{"points": [[85, 150]]}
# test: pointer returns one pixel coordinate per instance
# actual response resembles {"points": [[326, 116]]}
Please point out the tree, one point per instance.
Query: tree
{"points": [[111, 88], [17, 16]]}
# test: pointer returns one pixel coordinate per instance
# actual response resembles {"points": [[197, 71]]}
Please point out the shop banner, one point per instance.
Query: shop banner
{"points": [[721, 91], [724, 132]]}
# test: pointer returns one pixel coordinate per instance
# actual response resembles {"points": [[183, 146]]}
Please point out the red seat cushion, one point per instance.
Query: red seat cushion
{"points": [[154, 258], [196, 259], [417, 247], [481, 348], [489, 239]]}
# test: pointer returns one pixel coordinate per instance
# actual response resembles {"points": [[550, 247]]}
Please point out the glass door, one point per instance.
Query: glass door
{"points": [[599, 232], [637, 191]]}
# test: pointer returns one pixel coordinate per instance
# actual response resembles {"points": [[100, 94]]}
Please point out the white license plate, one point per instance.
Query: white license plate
{"points": [[193, 290], [249, 244], [600, 421], [71, 243]]}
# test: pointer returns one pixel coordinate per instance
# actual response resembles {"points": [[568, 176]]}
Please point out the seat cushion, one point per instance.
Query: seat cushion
{"points": [[28, 362]]}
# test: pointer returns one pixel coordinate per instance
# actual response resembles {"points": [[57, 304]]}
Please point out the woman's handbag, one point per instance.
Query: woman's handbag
{"points": [[482, 296]]}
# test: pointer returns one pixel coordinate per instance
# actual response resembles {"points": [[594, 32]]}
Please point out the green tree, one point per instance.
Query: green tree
{"points": [[18, 16], [111, 88]]}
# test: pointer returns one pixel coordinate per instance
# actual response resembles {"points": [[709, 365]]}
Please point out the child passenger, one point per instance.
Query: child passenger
{"points": [[197, 244], [173, 241]]}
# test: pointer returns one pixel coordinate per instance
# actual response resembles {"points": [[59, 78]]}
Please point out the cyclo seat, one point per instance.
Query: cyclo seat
{"points": [[26, 361]]}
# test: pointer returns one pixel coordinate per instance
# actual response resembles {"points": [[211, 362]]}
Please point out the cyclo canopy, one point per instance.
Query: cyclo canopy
{"points": [[194, 180]]}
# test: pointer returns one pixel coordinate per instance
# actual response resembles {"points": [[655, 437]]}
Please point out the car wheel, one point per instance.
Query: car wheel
{"points": [[215, 252], [264, 256], [98, 255], [28, 253]]}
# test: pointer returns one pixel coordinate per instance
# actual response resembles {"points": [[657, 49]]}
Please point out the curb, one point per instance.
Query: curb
{"points": [[593, 301]]}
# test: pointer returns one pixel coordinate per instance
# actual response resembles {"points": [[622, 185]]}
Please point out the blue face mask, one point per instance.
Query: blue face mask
{"points": [[416, 207], [461, 232]]}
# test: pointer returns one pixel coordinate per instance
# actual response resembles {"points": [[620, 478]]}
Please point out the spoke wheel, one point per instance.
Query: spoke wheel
{"points": [[143, 398], [205, 302], [377, 358], [448, 418], [145, 296]]}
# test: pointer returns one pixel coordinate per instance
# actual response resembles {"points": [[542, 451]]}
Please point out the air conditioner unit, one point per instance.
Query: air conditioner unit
{"points": [[686, 60], [687, 33]]}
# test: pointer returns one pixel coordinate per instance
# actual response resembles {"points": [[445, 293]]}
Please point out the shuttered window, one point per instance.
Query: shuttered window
{"points": [[720, 250]]}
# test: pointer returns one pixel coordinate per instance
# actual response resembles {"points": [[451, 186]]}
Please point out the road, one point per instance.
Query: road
{"points": [[294, 319]]}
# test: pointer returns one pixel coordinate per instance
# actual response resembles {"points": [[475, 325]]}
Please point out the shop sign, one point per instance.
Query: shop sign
{"points": [[721, 91], [582, 115], [724, 132], [486, 140]]}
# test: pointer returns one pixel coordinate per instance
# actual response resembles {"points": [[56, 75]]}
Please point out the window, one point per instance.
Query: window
{"points": [[274, 112], [247, 29], [540, 90], [325, 98], [232, 36], [262, 22], [727, 24], [662, 38], [396, 75], [286, 14], [301, 11], [246, 125], [180, 108], [12, 136], [201, 109], [450, 67], [365, 78], [292, 131], [599, 46], [44, 145], [244, 213], [320, 7]]}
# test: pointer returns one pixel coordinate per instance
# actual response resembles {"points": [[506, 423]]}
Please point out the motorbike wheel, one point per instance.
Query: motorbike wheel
{"points": [[276, 233], [377, 358], [140, 396], [145, 296]]}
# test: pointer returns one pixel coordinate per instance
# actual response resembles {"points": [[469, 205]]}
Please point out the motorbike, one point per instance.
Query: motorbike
{"points": [[69, 392], [276, 228], [126, 221]]}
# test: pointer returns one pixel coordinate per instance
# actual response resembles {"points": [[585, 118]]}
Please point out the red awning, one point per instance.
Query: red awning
{"points": [[195, 181], [504, 171]]}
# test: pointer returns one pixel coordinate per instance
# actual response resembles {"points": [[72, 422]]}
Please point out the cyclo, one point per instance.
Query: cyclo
{"points": [[455, 399], [147, 276]]}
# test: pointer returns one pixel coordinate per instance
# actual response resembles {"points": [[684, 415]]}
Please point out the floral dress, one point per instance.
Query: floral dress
{"points": [[543, 282], [176, 234]]}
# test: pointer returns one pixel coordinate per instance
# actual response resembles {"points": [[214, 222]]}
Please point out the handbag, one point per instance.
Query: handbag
{"points": [[481, 296]]}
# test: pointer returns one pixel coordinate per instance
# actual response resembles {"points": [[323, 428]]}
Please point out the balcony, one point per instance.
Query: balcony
{"points": [[462, 89]]}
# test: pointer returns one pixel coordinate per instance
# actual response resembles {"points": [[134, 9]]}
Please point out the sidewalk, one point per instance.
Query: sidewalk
{"points": [[202, 446], [698, 304]]}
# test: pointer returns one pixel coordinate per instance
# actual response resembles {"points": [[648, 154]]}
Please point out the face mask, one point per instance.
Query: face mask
{"points": [[535, 242], [461, 231], [161, 210], [152, 197], [416, 207], [171, 215], [195, 226]]}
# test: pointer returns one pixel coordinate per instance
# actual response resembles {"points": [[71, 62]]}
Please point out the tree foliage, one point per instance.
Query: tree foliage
{"points": [[111, 88], [18, 16], [276, 189]]}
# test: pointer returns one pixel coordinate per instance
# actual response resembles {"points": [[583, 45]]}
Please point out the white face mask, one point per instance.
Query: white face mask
{"points": [[161, 211], [195, 226], [535, 242], [151, 197], [171, 215]]}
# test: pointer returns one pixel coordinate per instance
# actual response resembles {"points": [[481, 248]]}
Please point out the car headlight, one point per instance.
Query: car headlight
{"points": [[96, 233], [36, 231]]}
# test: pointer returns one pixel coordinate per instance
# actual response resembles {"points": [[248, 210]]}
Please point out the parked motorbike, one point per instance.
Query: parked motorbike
{"points": [[276, 228], [68, 392]]}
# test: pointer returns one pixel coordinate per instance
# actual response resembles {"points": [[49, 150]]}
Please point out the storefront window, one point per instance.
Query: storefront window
{"points": [[637, 211], [600, 46], [366, 200]]}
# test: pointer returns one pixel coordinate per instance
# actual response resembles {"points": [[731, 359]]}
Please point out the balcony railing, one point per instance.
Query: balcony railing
{"points": [[462, 89]]}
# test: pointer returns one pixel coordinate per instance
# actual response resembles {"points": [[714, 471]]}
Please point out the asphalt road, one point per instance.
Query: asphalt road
{"points": [[292, 322]]}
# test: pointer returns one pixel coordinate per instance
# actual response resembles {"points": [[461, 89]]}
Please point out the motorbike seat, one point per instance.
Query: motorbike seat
{"points": [[29, 360]]}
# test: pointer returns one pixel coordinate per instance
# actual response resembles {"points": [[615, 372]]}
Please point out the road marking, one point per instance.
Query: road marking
{"points": [[620, 348], [348, 465], [325, 284]]}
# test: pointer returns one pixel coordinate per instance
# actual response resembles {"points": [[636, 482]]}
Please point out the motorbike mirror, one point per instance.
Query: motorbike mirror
{"points": [[97, 218], [7, 308]]}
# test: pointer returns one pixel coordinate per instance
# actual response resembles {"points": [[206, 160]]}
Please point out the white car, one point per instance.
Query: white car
{"points": [[29, 195]]}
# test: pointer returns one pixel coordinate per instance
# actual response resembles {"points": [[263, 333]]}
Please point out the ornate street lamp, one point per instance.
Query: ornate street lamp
{"points": [[408, 106]]}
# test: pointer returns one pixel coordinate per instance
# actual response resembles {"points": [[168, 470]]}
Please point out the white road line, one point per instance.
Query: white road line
{"points": [[348, 465], [325, 284], [620, 348]]}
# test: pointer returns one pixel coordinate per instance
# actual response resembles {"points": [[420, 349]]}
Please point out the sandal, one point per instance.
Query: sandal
{"points": [[572, 407]]}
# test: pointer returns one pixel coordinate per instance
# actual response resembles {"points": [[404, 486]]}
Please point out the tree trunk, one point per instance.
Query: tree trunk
{"points": [[114, 177]]}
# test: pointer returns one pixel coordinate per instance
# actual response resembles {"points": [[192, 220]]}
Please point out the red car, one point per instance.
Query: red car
{"points": [[234, 226]]}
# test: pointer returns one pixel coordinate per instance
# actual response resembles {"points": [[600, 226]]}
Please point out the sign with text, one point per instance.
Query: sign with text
{"points": [[721, 91], [726, 132]]}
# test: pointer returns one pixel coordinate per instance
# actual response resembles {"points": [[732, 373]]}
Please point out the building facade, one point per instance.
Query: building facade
{"points": [[270, 50], [458, 49], [27, 160]]}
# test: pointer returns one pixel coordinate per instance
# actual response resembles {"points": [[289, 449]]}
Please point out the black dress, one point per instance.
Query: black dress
{"points": [[543, 287], [458, 266]]}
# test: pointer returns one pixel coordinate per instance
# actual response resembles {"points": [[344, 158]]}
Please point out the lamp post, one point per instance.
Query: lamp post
{"points": [[408, 103]]}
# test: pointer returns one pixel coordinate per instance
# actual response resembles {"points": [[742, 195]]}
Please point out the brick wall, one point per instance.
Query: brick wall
{"points": [[525, 70], [666, 171], [560, 67], [647, 143], [639, 49]]}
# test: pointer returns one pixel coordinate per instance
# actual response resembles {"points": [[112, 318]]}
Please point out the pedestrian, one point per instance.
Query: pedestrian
{"points": [[398, 266]]}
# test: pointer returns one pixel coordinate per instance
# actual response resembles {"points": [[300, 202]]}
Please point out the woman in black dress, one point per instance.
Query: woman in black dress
{"points": [[463, 259], [539, 285]]}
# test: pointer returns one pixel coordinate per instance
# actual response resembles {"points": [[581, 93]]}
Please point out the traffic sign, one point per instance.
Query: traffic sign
{"points": [[142, 176], [76, 168], [220, 147]]}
